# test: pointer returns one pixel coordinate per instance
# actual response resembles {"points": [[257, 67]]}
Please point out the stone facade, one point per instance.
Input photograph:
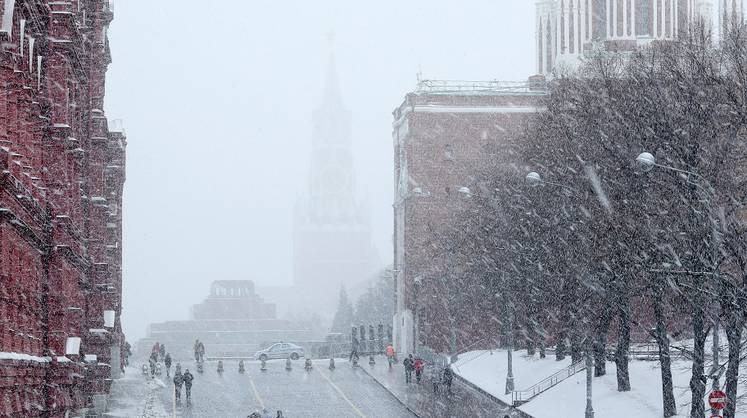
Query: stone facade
{"points": [[63, 170], [233, 299], [566, 29], [232, 322]]}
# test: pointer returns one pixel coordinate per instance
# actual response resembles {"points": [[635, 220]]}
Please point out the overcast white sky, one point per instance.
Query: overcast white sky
{"points": [[217, 98]]}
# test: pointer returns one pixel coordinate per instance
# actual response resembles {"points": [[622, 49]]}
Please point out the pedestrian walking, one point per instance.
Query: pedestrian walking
{"points": [[196, 349], [390, 355], [127, 353], [167, 363], [419, 365], [188, 378], [409, 364], [448, 378], [152, 362], [202, 351], [178, 381], [354, 349], [162, 351]]}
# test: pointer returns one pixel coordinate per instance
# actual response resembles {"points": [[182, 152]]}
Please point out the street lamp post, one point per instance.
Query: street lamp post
{"points": [[533, 179], [647, 162], [589, 376], [509, 352]]}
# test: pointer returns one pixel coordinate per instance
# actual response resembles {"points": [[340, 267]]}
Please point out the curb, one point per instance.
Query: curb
{"points": [[390, 392], [513, 410]]}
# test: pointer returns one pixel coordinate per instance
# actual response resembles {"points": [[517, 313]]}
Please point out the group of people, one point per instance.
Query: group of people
{"points": [[158, 354], [158, 351], [185, 379], [417, 365]]}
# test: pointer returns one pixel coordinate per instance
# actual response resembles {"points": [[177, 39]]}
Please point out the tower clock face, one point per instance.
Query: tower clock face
{"points": [[334, 180]]}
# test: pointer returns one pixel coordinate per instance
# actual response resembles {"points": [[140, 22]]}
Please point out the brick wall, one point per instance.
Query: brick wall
{"points": [[60, 208]]}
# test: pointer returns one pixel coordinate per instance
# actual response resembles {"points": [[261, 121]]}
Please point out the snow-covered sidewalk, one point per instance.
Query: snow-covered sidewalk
{"points": [[136, 396], [464, 401], [487, 370]]}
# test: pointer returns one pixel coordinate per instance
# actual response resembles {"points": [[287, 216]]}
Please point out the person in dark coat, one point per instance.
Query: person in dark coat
{"points": [[202, 351], [127, 353], [188, 378], [354, 348], [448, 378], [409, 364], [152, 362], [167, 363], [178, 381]]}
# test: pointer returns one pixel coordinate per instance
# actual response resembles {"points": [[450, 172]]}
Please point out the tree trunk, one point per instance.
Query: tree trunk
{"points": [[698, 380], [560, 346], [561, 339], [623, 346], [600, 343], [531, 338], [662, 340], [542, 349], [577, 340], [576, 348], [734, 336]]}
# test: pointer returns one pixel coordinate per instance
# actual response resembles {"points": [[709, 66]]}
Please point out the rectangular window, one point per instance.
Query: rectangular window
{"points": [[643, 18]]}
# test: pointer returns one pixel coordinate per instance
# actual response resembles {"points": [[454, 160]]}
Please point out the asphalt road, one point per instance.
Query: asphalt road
{"points": [[319, 393]]}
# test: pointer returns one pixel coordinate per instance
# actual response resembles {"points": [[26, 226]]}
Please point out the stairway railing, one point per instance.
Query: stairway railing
{"points": [[523, 396]]}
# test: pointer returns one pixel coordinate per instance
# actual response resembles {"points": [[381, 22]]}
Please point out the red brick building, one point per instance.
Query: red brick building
{"points": [[62, 173], [441, 132]]}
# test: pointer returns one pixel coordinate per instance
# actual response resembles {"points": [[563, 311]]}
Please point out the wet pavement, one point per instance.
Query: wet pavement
{"points": [[319, 393], [428, 401]]}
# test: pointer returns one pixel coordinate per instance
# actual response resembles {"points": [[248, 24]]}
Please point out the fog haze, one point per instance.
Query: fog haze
{"points": [[217, 105]]}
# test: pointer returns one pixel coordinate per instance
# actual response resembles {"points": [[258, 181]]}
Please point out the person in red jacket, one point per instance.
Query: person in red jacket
{"points": [[390, 355], [419, 366]]}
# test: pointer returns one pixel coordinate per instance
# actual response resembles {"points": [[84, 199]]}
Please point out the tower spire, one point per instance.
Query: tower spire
{"points": [[332, 94]]}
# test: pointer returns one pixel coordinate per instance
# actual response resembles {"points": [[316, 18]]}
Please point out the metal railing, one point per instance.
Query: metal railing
{"points": [[523, 396], [491, 86]]}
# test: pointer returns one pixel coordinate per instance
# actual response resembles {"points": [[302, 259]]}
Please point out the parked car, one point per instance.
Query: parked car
{"points": [[280, 351]]}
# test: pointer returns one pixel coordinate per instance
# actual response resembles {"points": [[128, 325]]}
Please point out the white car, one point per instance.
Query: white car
{"points": [[280, 351]]}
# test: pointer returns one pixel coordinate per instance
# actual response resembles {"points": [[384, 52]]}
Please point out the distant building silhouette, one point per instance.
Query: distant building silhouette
{"points": [[332, 236], [233, 321]]}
